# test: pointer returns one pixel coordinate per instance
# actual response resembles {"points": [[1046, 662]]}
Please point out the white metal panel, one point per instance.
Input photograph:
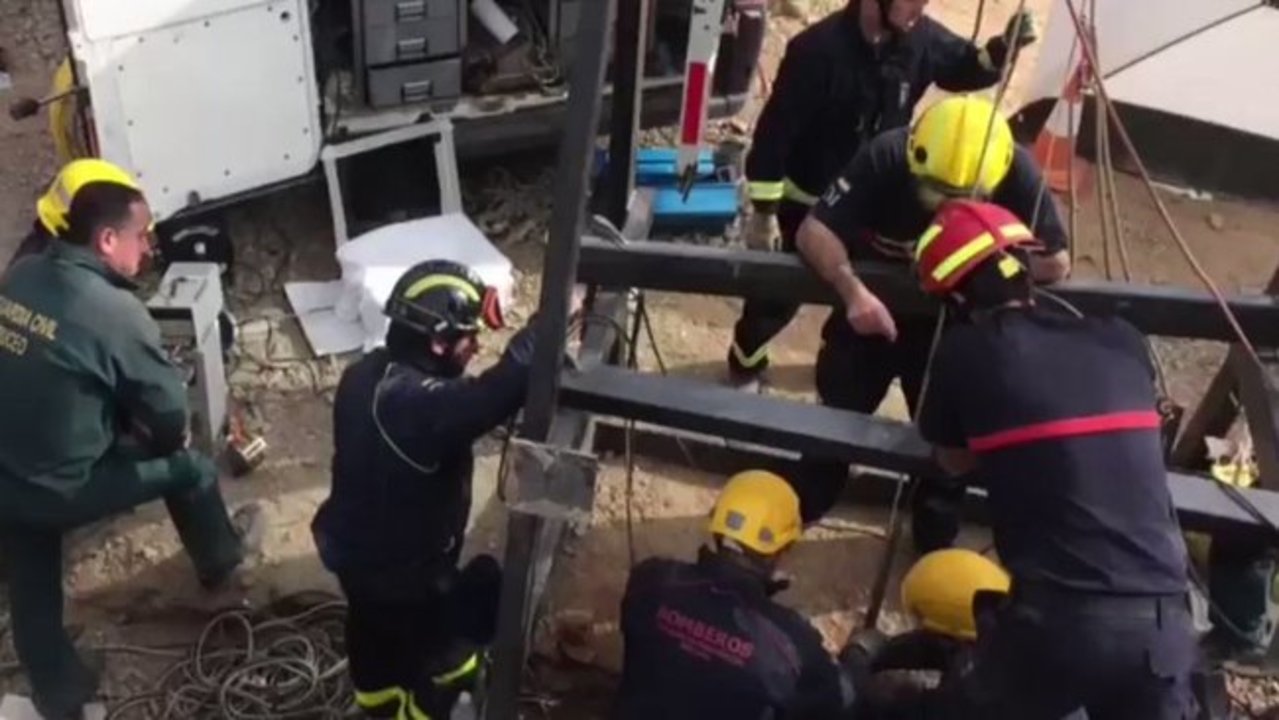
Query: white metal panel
{"points": [[101, 19], [1224, 76], [1126, 30], [213, 106]]}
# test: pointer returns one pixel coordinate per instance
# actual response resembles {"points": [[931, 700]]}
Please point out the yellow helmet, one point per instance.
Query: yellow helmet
{"points": [[758, 510], [939, 589], [947, 143], [53, 206]]}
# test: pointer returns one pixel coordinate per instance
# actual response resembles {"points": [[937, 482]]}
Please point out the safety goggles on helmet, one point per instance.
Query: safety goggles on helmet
{"points": [[963, 235], [445, 298]]}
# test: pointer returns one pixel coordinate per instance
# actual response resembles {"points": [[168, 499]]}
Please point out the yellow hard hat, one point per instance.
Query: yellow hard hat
{"points": [[939, 589], [53, 206], [947, 142], [758, 510]]}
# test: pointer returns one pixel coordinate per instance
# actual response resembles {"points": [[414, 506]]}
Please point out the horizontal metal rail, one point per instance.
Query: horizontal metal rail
{"points": [[697, 406], [1155, 310]]}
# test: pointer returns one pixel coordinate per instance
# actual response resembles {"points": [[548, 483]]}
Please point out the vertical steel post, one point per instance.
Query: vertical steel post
{"points": [[628, 78], [576, 153]]}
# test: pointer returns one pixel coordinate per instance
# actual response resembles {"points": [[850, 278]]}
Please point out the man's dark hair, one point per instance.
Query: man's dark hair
{"points": [[97, 206], [987, 286]]}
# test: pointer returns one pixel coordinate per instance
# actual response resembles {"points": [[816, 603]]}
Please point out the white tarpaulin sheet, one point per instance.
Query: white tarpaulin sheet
{"points": [[1194, 58]]}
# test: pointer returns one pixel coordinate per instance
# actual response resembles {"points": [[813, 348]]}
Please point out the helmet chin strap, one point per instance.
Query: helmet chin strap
{"points": [[885, 12]]}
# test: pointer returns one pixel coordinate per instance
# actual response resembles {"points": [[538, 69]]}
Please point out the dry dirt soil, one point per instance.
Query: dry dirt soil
{"points": [[127, 580]]}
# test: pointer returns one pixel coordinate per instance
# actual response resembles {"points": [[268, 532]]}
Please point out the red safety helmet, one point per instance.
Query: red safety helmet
{"points": [[964, 234]]}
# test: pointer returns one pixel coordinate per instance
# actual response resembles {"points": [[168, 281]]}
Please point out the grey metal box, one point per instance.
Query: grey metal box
{"points": [[398, 31], [423, 82]]}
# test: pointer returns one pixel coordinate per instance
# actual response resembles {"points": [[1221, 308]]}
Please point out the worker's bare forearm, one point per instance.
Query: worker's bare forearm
{"points": [[1050, 268], [826, 255]]}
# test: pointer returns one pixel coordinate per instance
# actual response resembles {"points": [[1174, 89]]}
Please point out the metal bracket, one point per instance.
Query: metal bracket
{"points": [[550, 482]]}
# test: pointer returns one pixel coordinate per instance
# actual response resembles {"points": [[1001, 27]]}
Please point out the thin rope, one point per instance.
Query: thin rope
{"points": [[1154, 193]]}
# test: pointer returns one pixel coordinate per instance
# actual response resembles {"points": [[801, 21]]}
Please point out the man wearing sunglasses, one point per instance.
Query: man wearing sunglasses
{"points": [[94, 419], [875, 211], [404, 422]]}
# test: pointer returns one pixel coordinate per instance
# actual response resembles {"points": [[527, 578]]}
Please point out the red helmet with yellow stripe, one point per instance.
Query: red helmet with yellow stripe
{"points": [[964, 234]]}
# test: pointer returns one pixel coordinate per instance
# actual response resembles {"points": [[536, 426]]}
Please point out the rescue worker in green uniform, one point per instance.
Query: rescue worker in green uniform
{"points": [[94, 421], [51, 208]]}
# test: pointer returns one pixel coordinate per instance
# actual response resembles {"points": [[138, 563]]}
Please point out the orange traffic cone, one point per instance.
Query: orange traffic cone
{"points": [[1055, 147]]}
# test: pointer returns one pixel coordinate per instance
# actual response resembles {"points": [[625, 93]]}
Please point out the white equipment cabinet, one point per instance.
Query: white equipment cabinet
{"points": [[228, 85]]}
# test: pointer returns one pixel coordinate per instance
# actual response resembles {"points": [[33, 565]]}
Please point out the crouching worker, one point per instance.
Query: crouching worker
{"points": [[1058, 415], [94, 424], [392, 528], [705, 639], [951, 595], [52, 206]]}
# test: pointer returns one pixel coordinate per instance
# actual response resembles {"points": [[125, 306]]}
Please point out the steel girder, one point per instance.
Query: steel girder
{"points": [[696, 406], [1155, 310]]}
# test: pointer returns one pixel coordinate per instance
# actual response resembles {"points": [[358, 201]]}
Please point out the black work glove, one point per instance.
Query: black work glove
{"points": [[1021, 31]]}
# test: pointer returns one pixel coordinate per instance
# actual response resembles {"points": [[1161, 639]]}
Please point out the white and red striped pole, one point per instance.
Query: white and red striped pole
{"points": [[704, 33]]}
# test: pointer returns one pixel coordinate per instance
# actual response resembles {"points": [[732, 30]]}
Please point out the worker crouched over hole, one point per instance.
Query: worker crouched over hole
{"points": [[706, 640], [405, 419]]}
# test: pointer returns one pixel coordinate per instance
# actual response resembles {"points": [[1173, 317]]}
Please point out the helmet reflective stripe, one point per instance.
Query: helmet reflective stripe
{"points": [[925, 240], [434, 281], [965, 253]]}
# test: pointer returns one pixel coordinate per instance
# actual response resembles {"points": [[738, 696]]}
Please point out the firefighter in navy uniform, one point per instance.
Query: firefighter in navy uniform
{"points": [[1059, 413], [94, 421], [404, 421], [860, 70], [705, 639], [875, 210]]}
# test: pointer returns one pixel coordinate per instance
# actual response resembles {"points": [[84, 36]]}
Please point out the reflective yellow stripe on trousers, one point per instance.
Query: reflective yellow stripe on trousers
{"points": [[466, 668], [380, 699]]}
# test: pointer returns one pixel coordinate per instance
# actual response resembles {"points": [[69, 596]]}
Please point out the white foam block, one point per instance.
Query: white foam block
{"points": [[17, 707], [374, 261]]}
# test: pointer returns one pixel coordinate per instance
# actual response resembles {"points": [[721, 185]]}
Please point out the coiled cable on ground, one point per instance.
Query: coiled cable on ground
{"points": [[255, 665]]}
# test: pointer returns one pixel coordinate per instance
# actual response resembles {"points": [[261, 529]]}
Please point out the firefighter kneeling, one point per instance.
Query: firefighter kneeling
{"points": [[705, 639], [952, 595], [405, 419]]}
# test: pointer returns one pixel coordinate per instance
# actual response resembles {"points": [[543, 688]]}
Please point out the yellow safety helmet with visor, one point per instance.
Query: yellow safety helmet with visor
{"points": [[961, 144], [55, 204], [759, 511]]}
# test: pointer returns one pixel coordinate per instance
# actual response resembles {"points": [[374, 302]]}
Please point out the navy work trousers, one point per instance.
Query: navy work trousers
{"points": [[414, 635], [1053, 653], [33, 520], [854, 372], [762, 320]]}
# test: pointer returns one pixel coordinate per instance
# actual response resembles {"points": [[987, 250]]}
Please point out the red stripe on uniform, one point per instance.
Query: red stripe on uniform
{"points": [[694, 99], [1070, 427]]}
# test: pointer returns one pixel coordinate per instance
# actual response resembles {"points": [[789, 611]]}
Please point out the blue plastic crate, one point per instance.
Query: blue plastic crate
{"points": [[655, 167], [710, 206]]}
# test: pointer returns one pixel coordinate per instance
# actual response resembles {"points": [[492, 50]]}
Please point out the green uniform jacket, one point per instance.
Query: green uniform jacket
{"points": [[80, 360]]}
